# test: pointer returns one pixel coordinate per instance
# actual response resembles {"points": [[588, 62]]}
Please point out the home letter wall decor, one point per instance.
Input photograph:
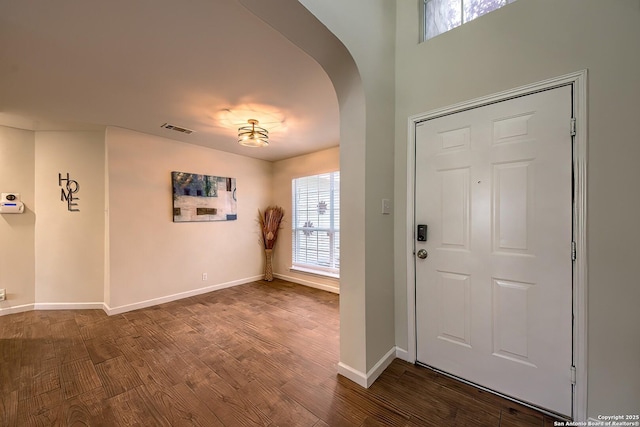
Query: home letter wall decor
{"points": [[71, 187]]}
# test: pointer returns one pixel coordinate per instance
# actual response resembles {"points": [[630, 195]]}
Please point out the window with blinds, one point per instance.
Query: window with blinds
{"points": [[316, 223]]}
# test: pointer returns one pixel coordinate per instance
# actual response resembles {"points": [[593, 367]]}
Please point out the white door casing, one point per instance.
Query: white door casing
{"points": [[494, 297]]}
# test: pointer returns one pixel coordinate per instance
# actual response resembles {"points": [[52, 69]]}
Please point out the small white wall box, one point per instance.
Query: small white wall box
{"points": [[10, 203]]}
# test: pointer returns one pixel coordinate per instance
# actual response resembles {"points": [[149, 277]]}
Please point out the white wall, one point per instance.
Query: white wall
{"points": [[153, 258], [526, 42], [283, 172], [17, 251], [355, 43], [53, 256], [69, 245], [292, 19], [372, 46], [138, 256]]}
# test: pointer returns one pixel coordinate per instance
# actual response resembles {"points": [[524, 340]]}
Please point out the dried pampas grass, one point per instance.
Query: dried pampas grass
{"points": [[270, 221]]}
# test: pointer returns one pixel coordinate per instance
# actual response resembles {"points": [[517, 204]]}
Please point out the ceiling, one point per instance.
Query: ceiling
{"points": [[205, 65]]}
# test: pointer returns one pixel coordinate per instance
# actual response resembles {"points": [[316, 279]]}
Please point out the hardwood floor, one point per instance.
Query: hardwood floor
{"points": [[260, 354]]}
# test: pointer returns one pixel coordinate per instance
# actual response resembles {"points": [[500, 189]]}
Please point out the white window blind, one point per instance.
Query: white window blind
{"points": [[316, 223]]}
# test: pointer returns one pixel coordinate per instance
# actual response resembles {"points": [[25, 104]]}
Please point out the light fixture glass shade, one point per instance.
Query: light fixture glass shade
{"points": [[253, 136]]}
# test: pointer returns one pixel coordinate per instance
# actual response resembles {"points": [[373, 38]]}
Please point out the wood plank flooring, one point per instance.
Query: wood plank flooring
{"points": [[260, 354]]}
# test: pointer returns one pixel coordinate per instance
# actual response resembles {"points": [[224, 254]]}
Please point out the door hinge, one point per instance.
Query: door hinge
{"points": [[573, 375], [572, 126], [574, 253]]}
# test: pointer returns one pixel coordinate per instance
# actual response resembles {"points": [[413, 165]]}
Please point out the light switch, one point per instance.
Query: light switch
{"points": [[386, 206]]}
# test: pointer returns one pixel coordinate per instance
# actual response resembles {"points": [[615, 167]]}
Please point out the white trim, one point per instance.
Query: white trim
{"points": [[321, 286], [365, 380], [379, 367], [69, 306], [580, 269], [579, 82], [352, 374], [16, 309], [411, 245], [124, 308], [403, 354], [161, 300], [315, 272], [421, 9]]}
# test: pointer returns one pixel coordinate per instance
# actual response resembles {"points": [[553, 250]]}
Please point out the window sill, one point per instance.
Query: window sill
{"points": [[314, 272]]}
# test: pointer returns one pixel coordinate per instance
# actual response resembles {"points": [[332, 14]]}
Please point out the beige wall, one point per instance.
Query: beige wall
{"points": [[358, 60], [153, 258], [121, 247], [283, 172], [17, 231], [69, 245], [526, 42], [367, 30]]}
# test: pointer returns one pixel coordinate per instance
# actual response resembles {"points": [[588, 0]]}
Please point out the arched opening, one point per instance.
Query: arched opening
{"points": [[302, 28]]}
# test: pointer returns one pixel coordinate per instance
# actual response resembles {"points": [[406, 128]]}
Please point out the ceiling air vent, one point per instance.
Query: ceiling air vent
{"points": [[176, 128]]}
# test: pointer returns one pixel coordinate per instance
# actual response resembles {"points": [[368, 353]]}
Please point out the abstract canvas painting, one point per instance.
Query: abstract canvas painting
{"points": [[203, 198]]}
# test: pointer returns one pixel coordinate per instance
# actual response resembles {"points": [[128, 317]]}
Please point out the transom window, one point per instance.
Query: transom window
{"points": [[440, 16], [316, 224]]}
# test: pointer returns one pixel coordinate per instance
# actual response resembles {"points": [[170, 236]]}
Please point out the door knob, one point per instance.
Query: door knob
{"points": [[422, 254]]}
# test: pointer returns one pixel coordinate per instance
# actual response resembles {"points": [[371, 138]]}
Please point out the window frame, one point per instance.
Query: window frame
{"points": [[333, 270], [423, 18]]}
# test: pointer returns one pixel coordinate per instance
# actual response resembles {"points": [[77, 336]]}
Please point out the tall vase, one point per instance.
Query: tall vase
{"points": [[268, 267]]}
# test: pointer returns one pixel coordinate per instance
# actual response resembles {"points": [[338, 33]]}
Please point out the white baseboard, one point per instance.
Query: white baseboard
{"points": [[124, 308], [379, 367], [69, 306], [16, 309], [321, 286], [365, 380], [354, 375], [403, 354], [161, 300]]}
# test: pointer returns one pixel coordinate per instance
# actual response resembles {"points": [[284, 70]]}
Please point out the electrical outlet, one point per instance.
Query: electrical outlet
{"points": [[204, 276], [3, 294]]}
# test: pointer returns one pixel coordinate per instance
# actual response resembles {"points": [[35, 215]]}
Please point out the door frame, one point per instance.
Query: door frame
{"points": [[578, 82]]}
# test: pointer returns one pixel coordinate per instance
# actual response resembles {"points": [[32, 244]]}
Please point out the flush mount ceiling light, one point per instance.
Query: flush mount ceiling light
{"points": [[253, 136]]}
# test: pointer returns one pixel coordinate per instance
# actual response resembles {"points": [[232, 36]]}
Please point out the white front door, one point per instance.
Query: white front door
{"points": [[494, 295]]}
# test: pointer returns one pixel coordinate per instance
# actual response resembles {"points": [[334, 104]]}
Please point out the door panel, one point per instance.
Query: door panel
{"points": [[494, 296]]}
